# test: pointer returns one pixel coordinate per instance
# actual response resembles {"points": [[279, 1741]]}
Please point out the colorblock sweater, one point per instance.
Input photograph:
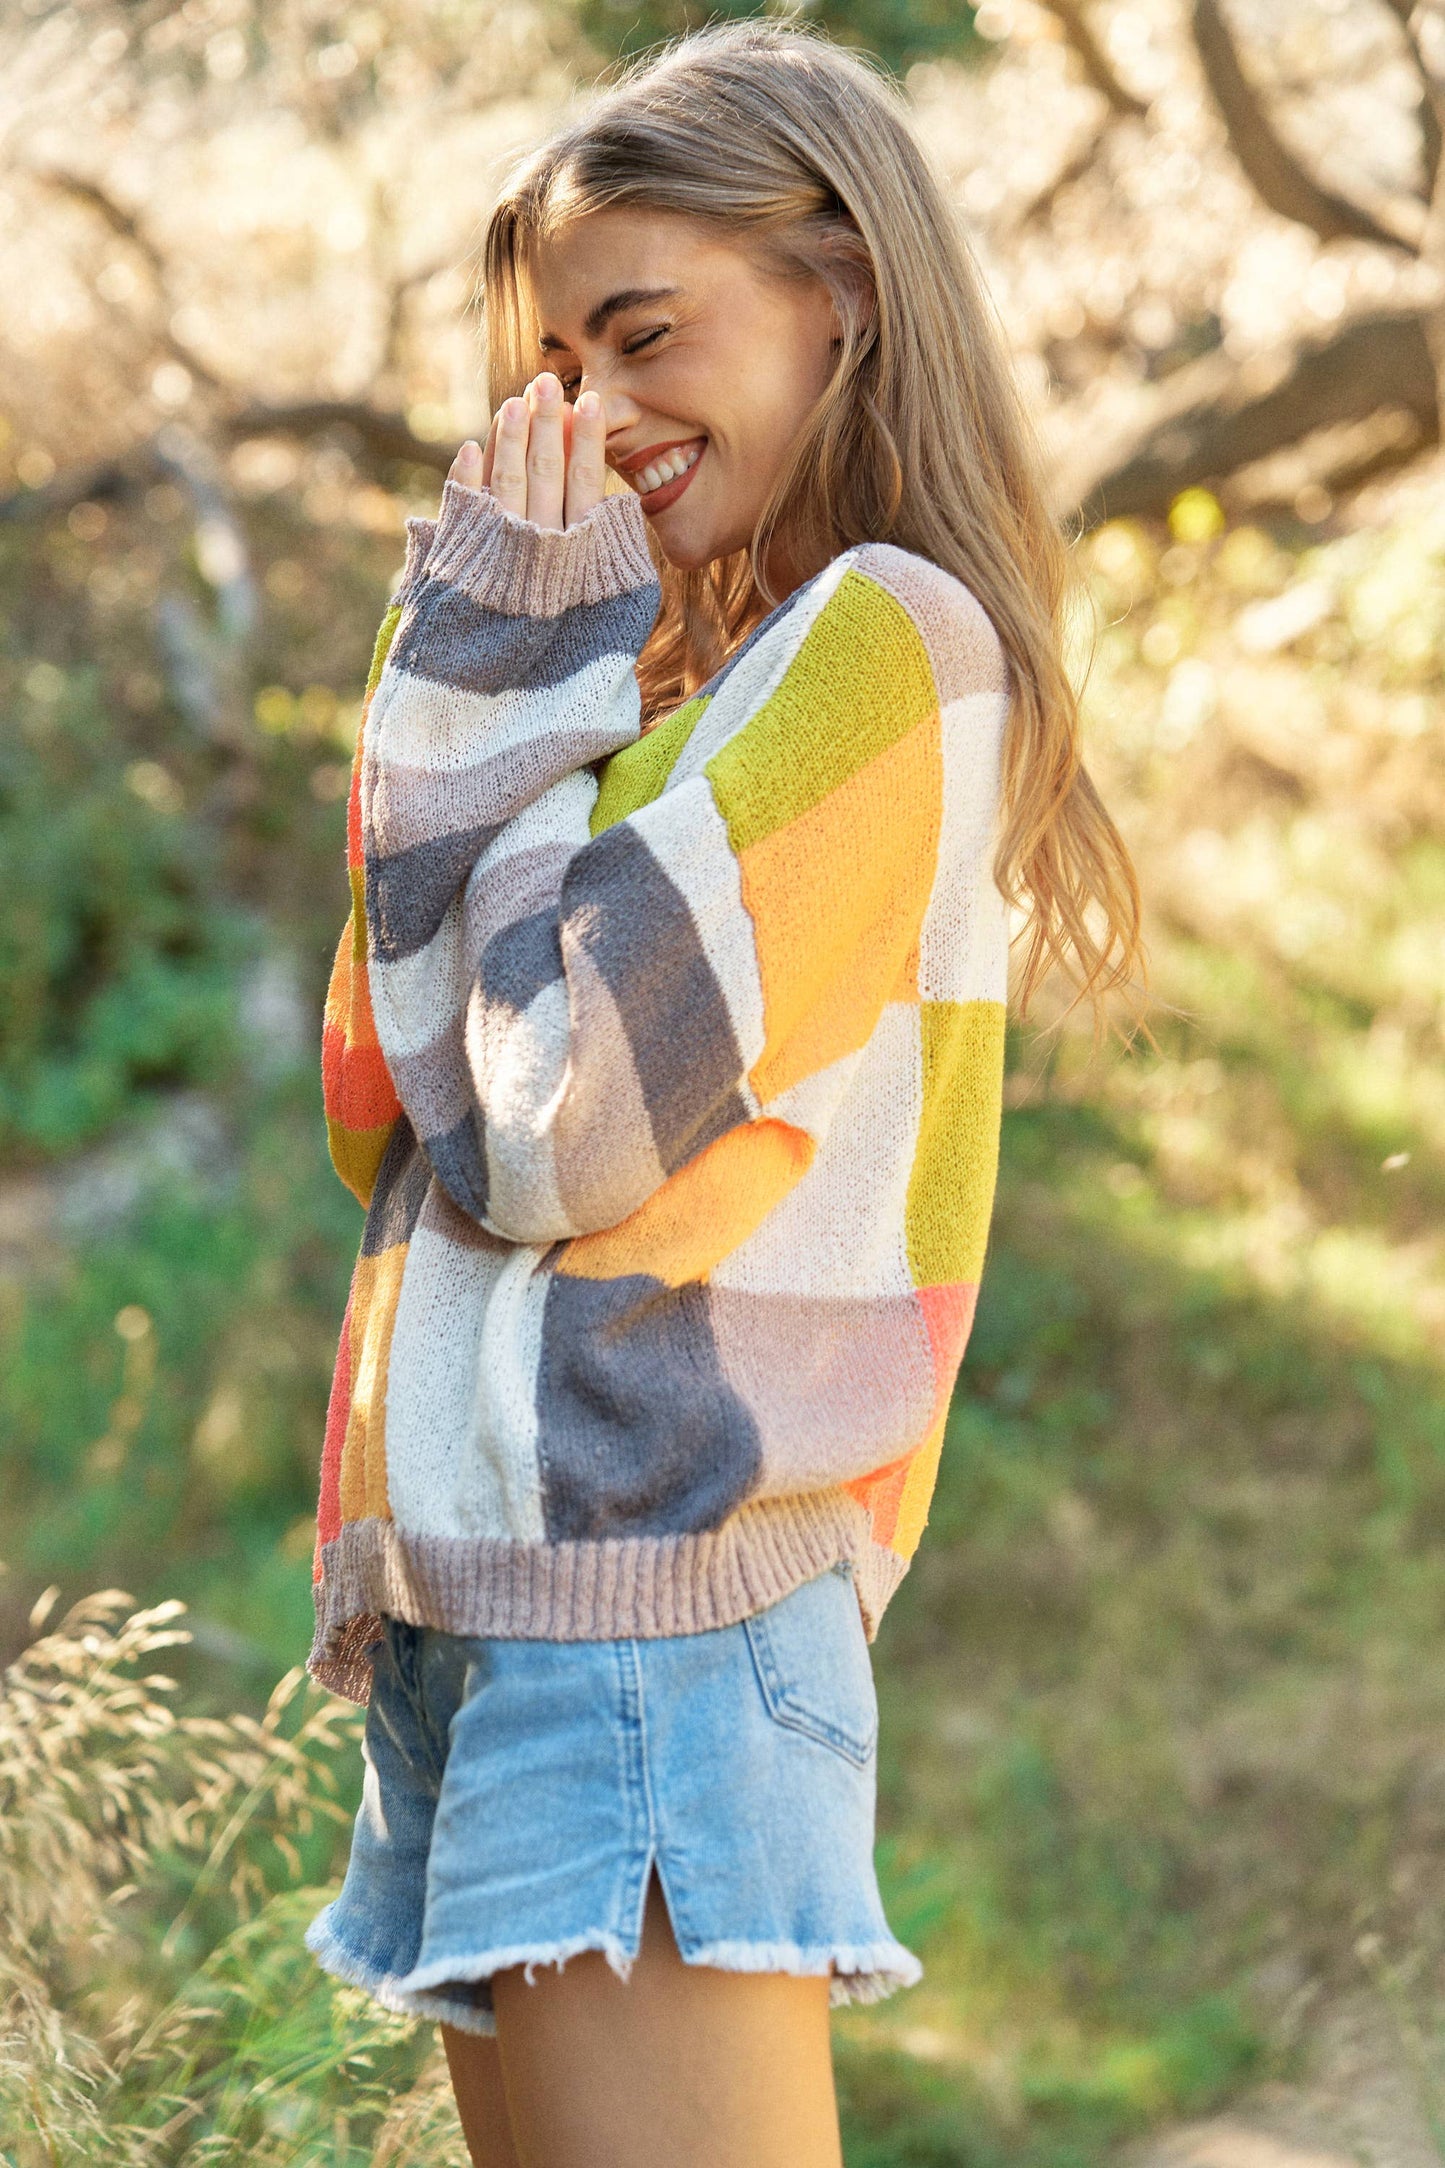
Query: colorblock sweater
{"points": [[668, 1067]]}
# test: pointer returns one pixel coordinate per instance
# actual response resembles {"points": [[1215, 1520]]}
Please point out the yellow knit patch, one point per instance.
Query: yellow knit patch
{"points": [[356, 876], [356, 1154], [375, 1289], [918, 1492], [829, 717], [385, 634], [634, 776], [950, 1191]]}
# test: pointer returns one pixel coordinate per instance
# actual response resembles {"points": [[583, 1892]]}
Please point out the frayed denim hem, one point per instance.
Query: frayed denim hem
{"points": [[866, 1973], [385, 1987], [529, 1955], [860, 1974]]}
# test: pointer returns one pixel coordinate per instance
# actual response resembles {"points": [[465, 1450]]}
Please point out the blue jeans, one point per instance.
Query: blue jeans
{"points": [[518, 1794]]}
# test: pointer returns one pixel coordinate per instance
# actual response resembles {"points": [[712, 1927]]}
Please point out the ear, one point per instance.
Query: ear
{"points": [[849, 275]]}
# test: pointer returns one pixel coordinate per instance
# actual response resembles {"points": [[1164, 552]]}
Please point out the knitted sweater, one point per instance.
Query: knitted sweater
{"points": [[667, 1065]]}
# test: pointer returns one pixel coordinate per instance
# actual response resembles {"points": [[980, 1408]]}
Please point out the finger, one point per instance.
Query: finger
{"points": [[546, 470], [509, 459], [489, 453], [587, 465], [466, 468]]}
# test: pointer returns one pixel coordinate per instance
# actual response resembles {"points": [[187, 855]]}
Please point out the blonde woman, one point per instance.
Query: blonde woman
{"points": [[716, 723]]}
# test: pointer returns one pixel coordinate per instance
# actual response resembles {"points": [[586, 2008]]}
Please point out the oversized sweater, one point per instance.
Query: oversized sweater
{"points": [[668, 1067]]}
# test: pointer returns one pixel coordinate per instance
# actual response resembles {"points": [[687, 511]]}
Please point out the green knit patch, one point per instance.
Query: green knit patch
{"points": [[635, 776]]}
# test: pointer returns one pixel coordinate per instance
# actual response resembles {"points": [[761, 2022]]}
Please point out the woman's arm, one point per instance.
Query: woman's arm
{"points": [[570, 1018], [547, 464], [511, 673]]}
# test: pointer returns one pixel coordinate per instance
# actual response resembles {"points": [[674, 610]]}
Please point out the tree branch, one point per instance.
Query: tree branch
{"points": [[1040, 208], [383, 439], [398, 296], [127, 227], [382, 436], [1276, 174], [1217, 416], [1094, 61], [1431, 138]]}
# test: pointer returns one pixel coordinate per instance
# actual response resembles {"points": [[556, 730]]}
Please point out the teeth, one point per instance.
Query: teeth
{"points": [[667, 468]]}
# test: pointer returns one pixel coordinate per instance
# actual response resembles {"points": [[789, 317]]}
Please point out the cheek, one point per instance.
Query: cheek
{"points": [[789, 369]]}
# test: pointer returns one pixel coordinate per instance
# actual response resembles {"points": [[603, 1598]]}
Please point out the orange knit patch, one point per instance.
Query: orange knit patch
{"points": [[880, 1492], [702, 1213], [836, 897]]}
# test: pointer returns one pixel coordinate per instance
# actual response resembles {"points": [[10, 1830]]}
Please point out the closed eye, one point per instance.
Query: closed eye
{"points": [[646, 339], [571, 380]]}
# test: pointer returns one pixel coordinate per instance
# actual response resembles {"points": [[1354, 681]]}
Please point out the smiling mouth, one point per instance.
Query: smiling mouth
{"points": [[662, 481]]}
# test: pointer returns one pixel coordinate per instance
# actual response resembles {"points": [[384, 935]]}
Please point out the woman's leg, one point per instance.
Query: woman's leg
{"points": [[682, 2066], [476, 2068]]}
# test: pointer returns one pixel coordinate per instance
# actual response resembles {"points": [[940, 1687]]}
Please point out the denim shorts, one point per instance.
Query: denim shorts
{"points": [[517, 1795]]}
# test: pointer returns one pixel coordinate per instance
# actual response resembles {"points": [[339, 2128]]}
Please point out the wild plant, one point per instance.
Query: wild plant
{"points": [[157, 2007]]}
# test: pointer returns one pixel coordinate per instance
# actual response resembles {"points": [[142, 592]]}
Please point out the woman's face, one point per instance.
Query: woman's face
{"points": [[707, 366]]}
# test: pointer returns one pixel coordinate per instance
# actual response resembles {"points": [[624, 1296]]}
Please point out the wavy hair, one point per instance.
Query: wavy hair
{"points": [[803, 153]]}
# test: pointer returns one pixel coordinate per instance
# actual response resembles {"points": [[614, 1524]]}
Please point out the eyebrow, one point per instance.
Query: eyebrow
{"points": [[627, 297]]}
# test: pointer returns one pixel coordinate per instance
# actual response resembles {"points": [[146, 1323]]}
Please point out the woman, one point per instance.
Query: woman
{"points": [[716, 723]]}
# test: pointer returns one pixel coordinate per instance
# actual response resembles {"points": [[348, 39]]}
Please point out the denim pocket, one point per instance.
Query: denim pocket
{"points": [[399, 1698], [811, 1656]]}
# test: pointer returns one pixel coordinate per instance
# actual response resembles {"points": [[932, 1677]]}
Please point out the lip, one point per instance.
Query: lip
{"points": [[657, 500], [636, 461]]}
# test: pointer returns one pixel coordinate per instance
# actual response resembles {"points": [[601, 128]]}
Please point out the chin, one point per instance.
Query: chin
{"points": [[688, 552], [690, 544]]}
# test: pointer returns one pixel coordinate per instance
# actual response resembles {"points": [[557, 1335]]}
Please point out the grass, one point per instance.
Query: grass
{"points": [[1159, 1766]]}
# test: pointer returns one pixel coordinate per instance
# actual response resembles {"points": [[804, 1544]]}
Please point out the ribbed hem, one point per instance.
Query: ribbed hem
{"points": [[510, 565], [877, 1572], [643, 1586]]}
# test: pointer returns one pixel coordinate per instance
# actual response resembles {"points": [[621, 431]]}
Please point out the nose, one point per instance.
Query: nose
{"points": [[622, 409]]}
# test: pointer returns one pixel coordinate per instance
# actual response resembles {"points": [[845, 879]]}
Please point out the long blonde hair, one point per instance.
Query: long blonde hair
{"points": [[803, 153]]}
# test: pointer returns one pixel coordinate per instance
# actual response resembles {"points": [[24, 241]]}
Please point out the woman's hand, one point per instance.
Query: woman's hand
{"points": [[545, 461]]}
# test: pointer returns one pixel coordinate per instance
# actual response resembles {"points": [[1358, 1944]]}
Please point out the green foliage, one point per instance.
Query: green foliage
{"points": [[900, 32], [117, 949], [157, 2007], [163, 1391]]}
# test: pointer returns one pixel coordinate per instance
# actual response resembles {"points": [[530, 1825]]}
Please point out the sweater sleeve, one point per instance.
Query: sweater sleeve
{"points": [[577, 1015], [357, 1093]]}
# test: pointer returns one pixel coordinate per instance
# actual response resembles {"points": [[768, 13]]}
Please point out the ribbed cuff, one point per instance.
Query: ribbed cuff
{"points": [[510, 565], [420, 534]]}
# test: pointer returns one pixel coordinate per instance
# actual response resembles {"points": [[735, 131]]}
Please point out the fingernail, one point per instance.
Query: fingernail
{"points": [[471, 456], [514, 411], [589, 406], [548, 388]]}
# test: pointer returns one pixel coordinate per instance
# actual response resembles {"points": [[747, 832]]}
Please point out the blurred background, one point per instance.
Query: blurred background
{"points": [[1162, 1795]]}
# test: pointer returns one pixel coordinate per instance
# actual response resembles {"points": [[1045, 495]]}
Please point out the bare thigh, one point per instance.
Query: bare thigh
{"points": [[682, 2066], [475, 2063]]}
